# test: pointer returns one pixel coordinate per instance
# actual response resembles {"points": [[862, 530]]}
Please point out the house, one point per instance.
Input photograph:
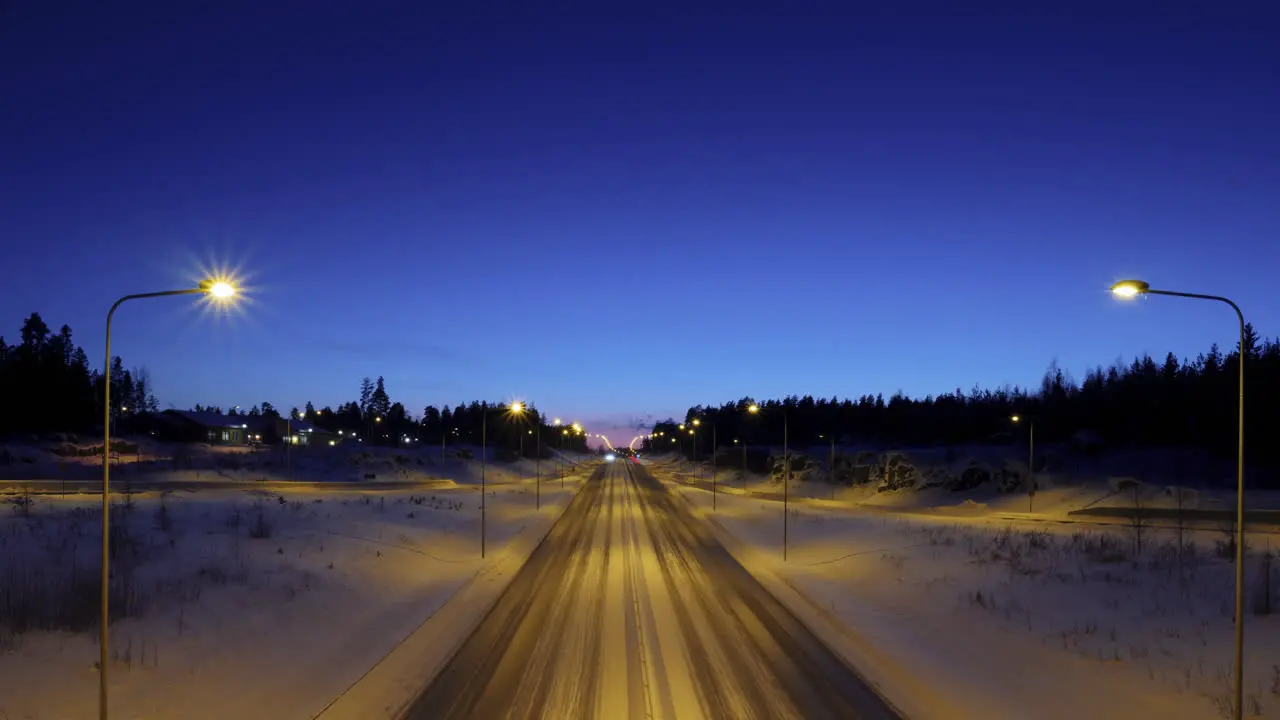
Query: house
{"points": [[213, 428], [216, 429], [300, 432]]}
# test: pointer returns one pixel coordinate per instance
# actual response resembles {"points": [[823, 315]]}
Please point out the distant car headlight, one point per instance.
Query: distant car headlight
{"points": [[609, 457]]}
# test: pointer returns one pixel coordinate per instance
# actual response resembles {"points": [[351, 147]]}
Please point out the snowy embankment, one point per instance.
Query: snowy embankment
{"points": [[244, 604], [144, 461], [969, 614]]}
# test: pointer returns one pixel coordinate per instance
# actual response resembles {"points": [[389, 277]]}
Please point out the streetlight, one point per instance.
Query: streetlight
{"points": [[698, 421], [564, 439], [517, 408], [786, 476], [1133, 288], [1031, 461], [751, 409], [220, 291]]}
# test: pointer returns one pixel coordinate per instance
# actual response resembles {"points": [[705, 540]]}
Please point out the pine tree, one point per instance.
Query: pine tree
{"points": [[34, 335], [1251, 343], [379, 402], [366, 394]]}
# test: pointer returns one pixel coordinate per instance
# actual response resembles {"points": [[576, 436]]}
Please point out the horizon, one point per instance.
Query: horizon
{"points": [[618, 218]]}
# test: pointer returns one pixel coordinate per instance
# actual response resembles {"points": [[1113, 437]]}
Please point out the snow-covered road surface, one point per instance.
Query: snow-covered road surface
{"points": [[631, 609]]}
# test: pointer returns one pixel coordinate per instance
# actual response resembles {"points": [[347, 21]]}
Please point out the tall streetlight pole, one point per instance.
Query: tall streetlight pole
{"points": [[537, 463], [1132, 288], [1031, 461], [484, 462], [218, 291]]}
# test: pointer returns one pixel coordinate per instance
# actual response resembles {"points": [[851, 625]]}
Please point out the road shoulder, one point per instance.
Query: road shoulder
{"points": [[391, 686], [888, 677]]}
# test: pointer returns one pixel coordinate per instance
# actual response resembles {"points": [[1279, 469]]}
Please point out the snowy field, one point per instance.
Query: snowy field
{"points": [[144, 460], [238, 603], [972, 613]]}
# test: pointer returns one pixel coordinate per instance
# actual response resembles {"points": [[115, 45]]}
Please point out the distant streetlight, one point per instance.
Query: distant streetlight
{"points": [[1133, 288], [517, 408], [1031, 460], [752, 409], [220, 291], [786, 475], [831, 475], [697, 421], [564, 441]]}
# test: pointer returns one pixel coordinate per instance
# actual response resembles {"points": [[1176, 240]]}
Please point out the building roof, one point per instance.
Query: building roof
{"points": [[214, 420], [257, 423]]}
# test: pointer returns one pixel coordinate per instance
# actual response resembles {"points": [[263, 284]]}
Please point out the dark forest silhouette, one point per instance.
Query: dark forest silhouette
{"points": [[1143, 404], [48, 386]]}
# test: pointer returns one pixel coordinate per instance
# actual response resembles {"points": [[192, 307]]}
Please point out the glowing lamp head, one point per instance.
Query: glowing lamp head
{"points": [[1130, 288], [682, 427], [753, 408], [556, 422], [1016, 418], [517, 407], [696, 421], [218, 289]]}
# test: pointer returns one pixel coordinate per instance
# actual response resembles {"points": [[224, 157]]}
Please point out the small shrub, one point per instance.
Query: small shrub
{"points": [[164, 521], [23, 503], [261, 527], [1225, 549], [1262, 597]]}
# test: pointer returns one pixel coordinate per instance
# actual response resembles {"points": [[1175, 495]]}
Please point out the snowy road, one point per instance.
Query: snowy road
{"points": [[631, 609]]}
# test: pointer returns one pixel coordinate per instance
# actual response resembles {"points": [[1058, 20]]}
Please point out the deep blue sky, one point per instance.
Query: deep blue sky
{"points": [[707, 202]]}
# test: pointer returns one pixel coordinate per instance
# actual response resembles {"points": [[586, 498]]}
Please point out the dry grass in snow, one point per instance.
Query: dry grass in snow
{"points": [[232, 603], [1046, 621]]}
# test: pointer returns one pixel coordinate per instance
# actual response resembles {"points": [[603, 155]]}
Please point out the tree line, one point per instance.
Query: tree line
{"points": [[47, 384], [375, 419], [1187, 403]]}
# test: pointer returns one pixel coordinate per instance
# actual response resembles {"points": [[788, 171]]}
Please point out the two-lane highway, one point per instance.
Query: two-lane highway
{"points": [[632, 609]]}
